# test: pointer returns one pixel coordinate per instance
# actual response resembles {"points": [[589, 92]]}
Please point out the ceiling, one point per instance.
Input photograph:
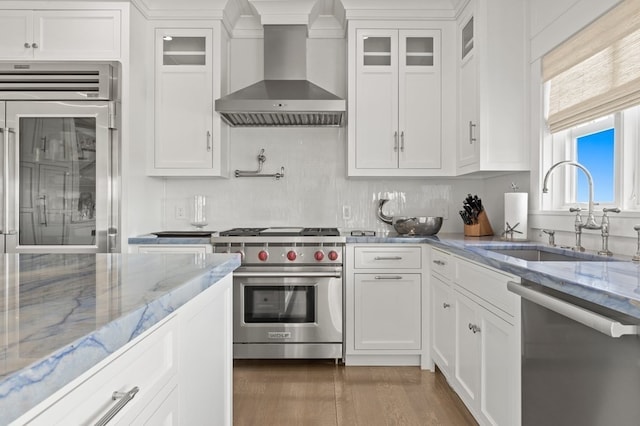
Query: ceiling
{"points": [[324, 18]]}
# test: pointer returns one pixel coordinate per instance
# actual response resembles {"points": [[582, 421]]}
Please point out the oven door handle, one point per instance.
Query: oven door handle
{"points": [[280, 274], [608, 326]]}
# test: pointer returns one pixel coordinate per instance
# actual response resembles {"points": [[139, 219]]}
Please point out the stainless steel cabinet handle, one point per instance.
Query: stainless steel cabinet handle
{"points": [[44, 143], [34, 45], [27, 45], [439, 262], [395, 141], [208, 141], [124, 398], [402, 141], [472, 139], [591, 319], [388, 277], [387, 258], [446, 305], [474, 328]]}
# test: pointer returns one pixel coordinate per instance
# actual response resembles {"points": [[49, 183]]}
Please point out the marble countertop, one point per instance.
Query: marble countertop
{"points": [[613, 283], [60, 314]]}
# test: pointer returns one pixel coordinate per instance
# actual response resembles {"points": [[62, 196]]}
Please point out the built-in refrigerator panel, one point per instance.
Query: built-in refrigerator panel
{"points": [[58, 176]]}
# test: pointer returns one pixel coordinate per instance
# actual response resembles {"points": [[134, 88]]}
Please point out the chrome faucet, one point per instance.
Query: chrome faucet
{"points": [[591, 220]]}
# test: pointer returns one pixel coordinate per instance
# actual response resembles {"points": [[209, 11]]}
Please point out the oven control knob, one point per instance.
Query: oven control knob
{"points": [[333, 255], [318, 255], [292, 255], [263, 255]]}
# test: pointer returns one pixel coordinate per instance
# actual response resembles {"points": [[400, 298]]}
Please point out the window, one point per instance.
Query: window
{"points": [[592, 93], [596, 151]]}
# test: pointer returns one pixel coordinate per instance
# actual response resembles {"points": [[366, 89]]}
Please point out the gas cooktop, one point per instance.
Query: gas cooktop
{"points": [[281, 232]]}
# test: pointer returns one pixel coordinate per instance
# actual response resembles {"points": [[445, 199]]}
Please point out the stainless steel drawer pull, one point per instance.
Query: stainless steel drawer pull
{"points": [[208, 141], [387, 258], [446, 305], [395, 141], [388, 277], [439, 262], [124, 398]]}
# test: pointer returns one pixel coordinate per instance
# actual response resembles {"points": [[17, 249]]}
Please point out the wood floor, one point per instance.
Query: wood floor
{"points": [[289, 392]]}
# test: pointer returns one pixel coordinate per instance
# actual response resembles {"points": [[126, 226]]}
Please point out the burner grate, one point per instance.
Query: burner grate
{"points": [[320, 232], [242, 232]]}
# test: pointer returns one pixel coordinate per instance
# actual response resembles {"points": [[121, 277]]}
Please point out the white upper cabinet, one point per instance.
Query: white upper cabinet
{"points": [[187, 133], [395, 102], [492, 87], [60, 34]]}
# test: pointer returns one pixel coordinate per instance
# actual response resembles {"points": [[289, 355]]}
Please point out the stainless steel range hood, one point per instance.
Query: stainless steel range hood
{"points": [[284, 98]]}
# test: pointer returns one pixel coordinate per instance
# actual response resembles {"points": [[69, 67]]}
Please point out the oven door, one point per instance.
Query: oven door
{"points": [[288, 305]]}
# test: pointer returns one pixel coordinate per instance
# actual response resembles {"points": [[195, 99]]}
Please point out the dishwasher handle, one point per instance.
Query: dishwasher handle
{"points": [[605, 325]]}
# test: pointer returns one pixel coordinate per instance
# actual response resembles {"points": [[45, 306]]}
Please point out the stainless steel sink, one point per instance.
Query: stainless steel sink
{"points": [[541, 255]]}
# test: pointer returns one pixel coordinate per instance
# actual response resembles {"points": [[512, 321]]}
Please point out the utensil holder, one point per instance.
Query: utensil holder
{"points": [[480, 229]]}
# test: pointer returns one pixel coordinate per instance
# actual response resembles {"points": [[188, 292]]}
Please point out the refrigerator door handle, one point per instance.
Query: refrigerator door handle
{"points": [[5, 180]]}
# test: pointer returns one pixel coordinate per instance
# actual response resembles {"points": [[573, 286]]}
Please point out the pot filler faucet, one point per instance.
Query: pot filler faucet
{"points": [[591, 220]]}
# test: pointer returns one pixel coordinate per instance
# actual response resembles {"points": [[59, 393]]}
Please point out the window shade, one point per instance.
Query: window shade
{"points": [[597, 71]]}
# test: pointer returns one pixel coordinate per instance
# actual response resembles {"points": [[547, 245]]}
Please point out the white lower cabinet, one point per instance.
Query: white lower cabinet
{"points": [[442, 323], [484, 364], [384, 323], [475, 339], [182, 368], [387, 311]]}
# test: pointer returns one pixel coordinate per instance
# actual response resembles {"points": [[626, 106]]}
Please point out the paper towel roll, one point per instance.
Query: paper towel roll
{"points": [[516, 206]]}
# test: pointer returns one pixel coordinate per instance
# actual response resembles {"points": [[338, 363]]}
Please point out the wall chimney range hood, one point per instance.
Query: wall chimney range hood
{"points": [[284, 98]]}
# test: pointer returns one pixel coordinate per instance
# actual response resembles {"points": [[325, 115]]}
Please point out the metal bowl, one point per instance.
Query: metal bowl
{"points": [[410, 225], [420, 225]]}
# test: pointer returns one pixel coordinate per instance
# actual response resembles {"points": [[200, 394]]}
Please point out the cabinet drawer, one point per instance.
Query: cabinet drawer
{"points": [[150, 365], [388, 258], [487, 284], [441, 263]]}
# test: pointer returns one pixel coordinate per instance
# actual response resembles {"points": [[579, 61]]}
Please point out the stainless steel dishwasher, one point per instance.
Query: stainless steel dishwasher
{"points": [[580, 362]]}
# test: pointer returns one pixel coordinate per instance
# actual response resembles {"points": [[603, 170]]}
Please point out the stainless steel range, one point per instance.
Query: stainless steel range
{"points": [[288, 292]]}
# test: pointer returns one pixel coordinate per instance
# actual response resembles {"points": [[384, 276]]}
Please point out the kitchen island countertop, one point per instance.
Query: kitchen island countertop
{"points": [[63, 313]]}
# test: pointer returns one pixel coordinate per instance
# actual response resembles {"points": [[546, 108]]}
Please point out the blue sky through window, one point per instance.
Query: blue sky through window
{"points": [[596, 153]]}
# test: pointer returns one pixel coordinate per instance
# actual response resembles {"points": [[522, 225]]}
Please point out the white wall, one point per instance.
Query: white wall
{"points": [[315, 187]]}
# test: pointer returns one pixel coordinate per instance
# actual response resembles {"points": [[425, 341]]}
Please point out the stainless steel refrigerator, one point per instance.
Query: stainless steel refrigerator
{"points": [[59, 158]]}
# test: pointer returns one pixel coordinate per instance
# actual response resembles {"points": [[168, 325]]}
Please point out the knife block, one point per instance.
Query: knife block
{"points": [[480, 229]]}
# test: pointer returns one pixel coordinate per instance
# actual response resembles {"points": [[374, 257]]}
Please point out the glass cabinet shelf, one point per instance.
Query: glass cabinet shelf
{"points": [[183, 50]]}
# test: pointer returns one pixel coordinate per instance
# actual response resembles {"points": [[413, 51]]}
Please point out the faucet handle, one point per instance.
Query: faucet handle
{"points": [[551, 233], [575, 209], [611, 210]]}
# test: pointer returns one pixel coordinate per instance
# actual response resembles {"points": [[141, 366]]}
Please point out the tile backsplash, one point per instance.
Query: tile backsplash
{"points": [[315, 190]]}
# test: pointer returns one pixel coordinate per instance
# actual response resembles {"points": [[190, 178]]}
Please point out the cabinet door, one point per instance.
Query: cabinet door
{"points": [[468, 137], [467, 349], [419, 100], [498, 370], [376, 121], [183, 104], [387, 311], [442, 339], [16, 34], [76, 34]]}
